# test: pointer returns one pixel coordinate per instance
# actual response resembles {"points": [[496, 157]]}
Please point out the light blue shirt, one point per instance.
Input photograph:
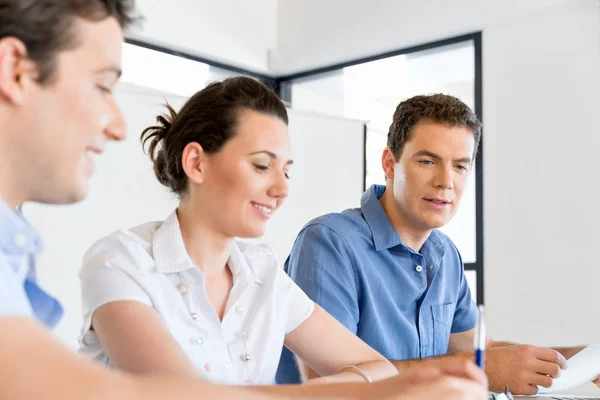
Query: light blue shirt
{"points": [[20, 294], [403, 303]]}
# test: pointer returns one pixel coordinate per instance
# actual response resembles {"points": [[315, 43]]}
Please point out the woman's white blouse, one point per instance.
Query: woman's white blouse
{"points": [[150, 264]]}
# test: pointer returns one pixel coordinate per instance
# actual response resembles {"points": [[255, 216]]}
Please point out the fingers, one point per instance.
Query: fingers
{"points": [[423, 374], [550, 355], [462, 368], [546, 368], [454, 388]]}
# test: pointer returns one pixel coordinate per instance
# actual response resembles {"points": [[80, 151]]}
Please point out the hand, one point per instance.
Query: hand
{"points": [[597, 381], [450, 379], [522, 368]]}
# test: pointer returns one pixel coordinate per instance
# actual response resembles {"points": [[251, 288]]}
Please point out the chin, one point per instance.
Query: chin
{"points": [[436, 223], [252, 232], [76, 194]]}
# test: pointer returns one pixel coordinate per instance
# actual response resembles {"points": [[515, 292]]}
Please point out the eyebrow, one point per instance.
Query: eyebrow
{"points": [[115, 70], [427, 153], [271, 155]]}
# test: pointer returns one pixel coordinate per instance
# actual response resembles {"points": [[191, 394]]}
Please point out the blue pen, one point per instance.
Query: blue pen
{"points": [[480, 338]]}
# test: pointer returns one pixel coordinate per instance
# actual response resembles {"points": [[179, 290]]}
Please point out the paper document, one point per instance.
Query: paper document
{"points": [[582, 367]]}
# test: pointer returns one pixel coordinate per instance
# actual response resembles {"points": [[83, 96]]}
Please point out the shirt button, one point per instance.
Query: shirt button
{"points": [[182, 287], [240, 310], [194, 316], [419, 268], [200, 341], [20, 240], [243, 335]]}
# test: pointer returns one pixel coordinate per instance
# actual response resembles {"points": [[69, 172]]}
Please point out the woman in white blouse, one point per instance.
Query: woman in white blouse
{"points": [[182, 297]]}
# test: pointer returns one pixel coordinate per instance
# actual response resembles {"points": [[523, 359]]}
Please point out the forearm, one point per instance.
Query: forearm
{"points": [[492, 344], [406, 364], [34, 366], [376, 370]]}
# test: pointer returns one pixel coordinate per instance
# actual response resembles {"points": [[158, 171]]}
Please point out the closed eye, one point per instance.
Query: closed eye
{"points": [[104, 89], [261, 167]]}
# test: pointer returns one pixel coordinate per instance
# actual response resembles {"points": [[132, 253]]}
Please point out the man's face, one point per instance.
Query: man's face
{"points": [[62, 125], [430, 176]]}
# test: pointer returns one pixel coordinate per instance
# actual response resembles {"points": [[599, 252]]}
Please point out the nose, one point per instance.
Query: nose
{"points": [[443, 178], [117, 127], [280, 188]]}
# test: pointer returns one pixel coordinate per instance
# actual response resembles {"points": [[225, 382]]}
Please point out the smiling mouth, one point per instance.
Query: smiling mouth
{"points": [[265, 210]]}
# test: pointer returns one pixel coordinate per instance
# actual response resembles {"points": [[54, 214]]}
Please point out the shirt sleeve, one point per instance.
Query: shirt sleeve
{"points": [[300, 306], [108, 275], [321, 266], [465, 314], [13, 299]]}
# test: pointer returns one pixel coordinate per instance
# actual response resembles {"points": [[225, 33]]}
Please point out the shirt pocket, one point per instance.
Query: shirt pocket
{"points": [[443, 315]]}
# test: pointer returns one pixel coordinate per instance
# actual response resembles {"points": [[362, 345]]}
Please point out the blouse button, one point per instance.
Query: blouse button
{"points": [[182, 288]]}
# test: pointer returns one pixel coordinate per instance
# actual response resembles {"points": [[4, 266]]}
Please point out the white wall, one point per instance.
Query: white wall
{"points": [[236, 32], [541, 63], [125, 193], [541, 105], [314, 33]]}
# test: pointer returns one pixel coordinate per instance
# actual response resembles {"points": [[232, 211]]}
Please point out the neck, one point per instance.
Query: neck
{"points": [[12, 188], [411, 236], [207, 247]]}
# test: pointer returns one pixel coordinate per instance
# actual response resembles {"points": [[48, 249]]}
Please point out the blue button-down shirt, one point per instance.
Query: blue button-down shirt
{"points": [[20, 293], [403, 303]]}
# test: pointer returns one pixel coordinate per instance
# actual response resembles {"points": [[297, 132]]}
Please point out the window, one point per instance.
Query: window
{"points": [[168, 73]]}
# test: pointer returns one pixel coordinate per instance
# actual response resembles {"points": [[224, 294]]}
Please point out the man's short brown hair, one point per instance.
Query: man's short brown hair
{"points": [[46, 27], [437, 108]]}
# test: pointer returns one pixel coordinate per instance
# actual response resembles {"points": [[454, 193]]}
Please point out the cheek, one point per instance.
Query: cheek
{"points": [[231, 186]]}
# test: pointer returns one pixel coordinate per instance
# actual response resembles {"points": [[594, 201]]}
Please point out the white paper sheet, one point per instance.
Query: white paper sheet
{"points": [[582, 367]]}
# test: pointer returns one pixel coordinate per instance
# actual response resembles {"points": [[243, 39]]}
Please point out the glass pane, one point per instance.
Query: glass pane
{"points": [[168, 73], [472, 282]]}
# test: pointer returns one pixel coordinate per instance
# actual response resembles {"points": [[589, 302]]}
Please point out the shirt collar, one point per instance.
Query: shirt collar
{"points": [[171, 256], [17, 236], [383, 232]]}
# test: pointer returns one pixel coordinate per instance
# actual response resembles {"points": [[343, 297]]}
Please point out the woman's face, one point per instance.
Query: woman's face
{"points": [[247, 181]]}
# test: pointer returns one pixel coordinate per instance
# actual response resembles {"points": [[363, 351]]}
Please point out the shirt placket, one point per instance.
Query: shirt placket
{"points": [[207, 338]]}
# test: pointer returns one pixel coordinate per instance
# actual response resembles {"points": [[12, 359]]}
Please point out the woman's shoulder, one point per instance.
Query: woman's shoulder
{"points": [[124, 247]]}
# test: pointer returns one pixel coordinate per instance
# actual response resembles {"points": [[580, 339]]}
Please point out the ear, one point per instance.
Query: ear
{"points": [[14, 67], [388, 161], [193, 161]]}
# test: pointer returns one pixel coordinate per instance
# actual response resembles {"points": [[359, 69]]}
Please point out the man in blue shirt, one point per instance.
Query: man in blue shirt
{"points": [[385, 271], [59, 62]]}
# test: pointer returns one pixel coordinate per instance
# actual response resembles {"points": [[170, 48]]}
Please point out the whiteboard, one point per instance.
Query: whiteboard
{"points": [[327, 177]]}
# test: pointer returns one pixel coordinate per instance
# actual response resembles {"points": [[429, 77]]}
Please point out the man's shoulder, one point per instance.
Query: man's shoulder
{"points": [[343, 223], [13, 298]]}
